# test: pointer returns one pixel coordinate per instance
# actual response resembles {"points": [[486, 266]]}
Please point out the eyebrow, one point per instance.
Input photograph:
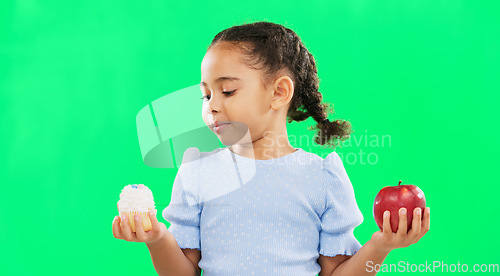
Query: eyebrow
{"points": [[221, 79]]}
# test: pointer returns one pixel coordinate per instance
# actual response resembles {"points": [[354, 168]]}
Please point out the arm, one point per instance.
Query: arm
{"points": [[382, 242], [167, 256], [169, 259], [357, 264], [329, 264]]}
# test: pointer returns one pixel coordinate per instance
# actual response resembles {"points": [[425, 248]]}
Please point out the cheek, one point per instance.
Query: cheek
{"points": [[258, 105], [236, 104], [204, 113], [243, 107]]}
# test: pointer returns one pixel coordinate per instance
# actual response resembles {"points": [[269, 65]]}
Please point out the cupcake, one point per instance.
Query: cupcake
{"points": [[136, 199]]}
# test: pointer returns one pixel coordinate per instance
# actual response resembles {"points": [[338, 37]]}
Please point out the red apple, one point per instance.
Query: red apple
{"points": [[394, 197]]}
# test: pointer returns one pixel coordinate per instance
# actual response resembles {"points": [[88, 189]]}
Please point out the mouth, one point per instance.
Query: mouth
{"points": [[219, 127]]}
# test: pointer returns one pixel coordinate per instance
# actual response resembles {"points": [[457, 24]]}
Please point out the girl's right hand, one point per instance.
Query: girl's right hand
{"points": [[124, 232]]}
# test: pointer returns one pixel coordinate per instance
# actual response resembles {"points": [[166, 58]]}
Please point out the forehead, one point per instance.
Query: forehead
{"points": [[220, 61]]}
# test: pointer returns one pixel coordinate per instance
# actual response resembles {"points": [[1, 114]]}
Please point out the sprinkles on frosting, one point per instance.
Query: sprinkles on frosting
{"points": [[137, 186]]}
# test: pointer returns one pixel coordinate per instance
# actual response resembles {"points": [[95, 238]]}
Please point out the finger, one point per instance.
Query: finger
{"points": [[425, 223], [126, 230], [117, 232], [139, 230], [386, 224], [402, 228], [154, 221], [416, 225]]}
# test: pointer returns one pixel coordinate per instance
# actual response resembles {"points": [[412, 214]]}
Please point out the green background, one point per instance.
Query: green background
{"points": [[73, 76]]}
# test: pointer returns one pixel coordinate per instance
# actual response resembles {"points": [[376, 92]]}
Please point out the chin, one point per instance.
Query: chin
{"points": [[234, 134]]}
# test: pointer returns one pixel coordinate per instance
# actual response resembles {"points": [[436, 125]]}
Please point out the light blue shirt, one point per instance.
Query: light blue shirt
{"points": [[263, 217]]}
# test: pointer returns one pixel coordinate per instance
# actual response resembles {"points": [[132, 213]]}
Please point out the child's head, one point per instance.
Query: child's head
{"points": [[276, 80]]}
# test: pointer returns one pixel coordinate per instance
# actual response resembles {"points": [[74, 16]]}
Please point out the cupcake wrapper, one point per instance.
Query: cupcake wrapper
{"points": [[146, 222]]}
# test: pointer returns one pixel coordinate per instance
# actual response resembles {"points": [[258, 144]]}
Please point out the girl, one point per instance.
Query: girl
{"points": [[260, 206]]}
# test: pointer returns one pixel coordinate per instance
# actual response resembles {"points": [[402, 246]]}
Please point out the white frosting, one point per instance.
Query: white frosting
{"points": [[138, 199]]}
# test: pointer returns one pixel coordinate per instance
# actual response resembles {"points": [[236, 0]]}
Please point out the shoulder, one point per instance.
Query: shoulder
{"points": [[192, 157], [191, 154], [190, 167], [338, 187], [334, 171], [194, 154], [308, 158], [195, 161], [190, 161], [330, 168], [332, 162]]}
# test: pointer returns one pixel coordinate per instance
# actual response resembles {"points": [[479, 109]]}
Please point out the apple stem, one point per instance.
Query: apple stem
{"points": [[400, 182]]}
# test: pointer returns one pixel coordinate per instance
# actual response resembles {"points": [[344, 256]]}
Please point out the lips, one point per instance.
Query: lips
{"points": [[219, 126], [218, 123]]}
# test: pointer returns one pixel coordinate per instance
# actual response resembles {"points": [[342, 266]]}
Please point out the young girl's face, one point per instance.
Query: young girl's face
{"points": [[233, 93]]}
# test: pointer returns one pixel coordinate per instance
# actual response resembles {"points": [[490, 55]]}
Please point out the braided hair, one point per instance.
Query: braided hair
{"points": [[276, 49]]}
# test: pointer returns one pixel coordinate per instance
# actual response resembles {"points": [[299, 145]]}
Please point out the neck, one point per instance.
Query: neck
{"points": [[271, 145]]}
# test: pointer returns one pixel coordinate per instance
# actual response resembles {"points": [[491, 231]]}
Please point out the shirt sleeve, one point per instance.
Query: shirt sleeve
{"points": [[183, 211], [341, 213]]}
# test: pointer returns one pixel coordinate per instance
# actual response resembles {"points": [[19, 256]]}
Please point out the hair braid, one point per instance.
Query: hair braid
{"points": [[311, 99]]}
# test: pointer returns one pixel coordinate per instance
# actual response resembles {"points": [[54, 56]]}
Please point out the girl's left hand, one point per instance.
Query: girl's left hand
{"points": [[386, 240]]}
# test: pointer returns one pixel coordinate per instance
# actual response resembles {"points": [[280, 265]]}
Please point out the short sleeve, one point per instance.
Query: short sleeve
{"points": [[183, 211], [341, 213]]}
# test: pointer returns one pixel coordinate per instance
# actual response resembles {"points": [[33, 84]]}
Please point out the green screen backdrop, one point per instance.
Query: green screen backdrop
{"points": [[418, 80]]}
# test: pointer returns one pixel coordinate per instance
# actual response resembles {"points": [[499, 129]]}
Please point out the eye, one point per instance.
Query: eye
{"points": [[228, 92], [225, 93]]}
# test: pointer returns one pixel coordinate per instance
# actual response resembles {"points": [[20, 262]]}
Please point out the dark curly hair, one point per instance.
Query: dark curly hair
{"points": [[275, 48]]}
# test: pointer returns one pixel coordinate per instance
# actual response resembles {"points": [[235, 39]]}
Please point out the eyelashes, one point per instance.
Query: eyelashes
{"points": [[228, 93]]}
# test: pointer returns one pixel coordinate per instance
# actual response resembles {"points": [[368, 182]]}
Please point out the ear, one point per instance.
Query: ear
{"points": [[282, 93]]}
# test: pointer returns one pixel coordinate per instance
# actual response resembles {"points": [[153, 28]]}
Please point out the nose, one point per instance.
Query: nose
{"points": [[213, 105]]}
